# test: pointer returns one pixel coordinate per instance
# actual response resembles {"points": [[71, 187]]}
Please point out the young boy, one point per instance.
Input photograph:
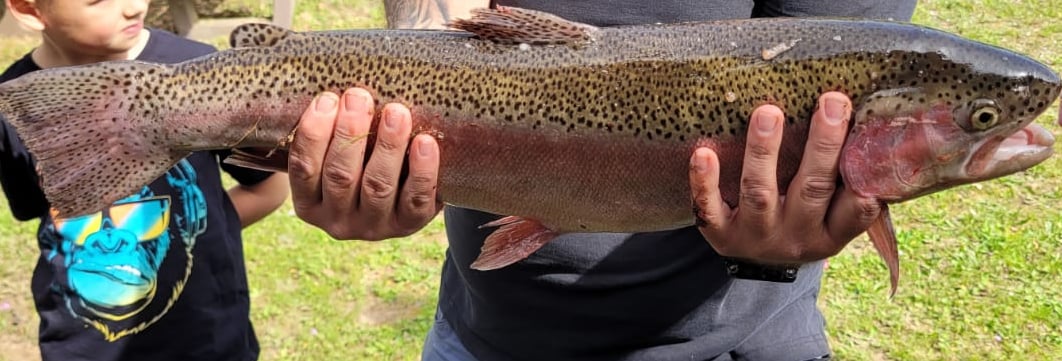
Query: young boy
{"points": [[159, 275]]}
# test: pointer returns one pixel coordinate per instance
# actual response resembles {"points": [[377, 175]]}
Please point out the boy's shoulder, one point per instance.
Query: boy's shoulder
{"points": [[19, 68], [162, 47], [166, 47]]}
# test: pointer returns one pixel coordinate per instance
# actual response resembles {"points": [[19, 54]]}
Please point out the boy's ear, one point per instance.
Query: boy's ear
{"points": [[26, 13]]}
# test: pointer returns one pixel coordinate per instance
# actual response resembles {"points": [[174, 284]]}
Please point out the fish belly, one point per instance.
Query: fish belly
{"points": [[568, 181]]}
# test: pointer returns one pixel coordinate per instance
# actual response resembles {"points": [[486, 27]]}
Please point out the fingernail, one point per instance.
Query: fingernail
{"points": [[696, 164], [326, 102], [834, 109], [352, 99], [391, 119], [699, 162], [766, 123], [424, 147]]}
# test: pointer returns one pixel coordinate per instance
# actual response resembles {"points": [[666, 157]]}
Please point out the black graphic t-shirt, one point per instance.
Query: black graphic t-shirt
{"points": [[159, 275]]}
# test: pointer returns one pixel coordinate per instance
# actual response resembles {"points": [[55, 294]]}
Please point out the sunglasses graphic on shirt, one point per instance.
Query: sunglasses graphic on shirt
{"points": [[147, 218]]}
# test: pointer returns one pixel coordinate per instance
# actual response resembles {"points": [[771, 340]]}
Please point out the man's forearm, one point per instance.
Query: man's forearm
{"points": [[427, 14]]}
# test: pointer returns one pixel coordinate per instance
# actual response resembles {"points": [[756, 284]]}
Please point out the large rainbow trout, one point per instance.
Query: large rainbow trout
{"points": [[563, 126]]}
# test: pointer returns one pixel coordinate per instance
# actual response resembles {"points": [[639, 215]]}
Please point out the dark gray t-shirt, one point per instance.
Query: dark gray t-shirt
{"points": [[647, 296]]}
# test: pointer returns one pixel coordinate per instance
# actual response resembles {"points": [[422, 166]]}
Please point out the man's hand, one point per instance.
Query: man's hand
{"points": [[813, 221], [335, 189]]}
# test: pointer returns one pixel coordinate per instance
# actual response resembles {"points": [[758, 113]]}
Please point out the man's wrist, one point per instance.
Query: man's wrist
{"points": [[745, 269]]}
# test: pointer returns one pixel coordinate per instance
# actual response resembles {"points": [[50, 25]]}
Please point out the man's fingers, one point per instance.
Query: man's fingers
{"points": [[341, 178], [307, 152], [713, 215], [813, 186], [759, 184], [379, 184], [418, 203], [849, 216]]}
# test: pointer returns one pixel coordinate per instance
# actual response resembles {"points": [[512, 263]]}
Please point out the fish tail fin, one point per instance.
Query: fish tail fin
{"points": [[514, 240], [883, 236], [93, 136]]}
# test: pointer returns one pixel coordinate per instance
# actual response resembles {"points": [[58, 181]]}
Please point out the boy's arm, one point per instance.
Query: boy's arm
{"points": [[428, 14], [254, 202], [18, 177]]}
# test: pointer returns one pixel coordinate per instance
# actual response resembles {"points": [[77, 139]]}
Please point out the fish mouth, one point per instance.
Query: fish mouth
{"points": [[999, 156]]}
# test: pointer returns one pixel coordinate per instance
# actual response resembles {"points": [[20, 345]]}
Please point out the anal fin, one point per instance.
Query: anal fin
{"points": [[516, 239], [883, 236]]}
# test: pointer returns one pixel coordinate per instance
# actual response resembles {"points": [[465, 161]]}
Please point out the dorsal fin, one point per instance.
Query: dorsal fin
{"points": [[508, 25], [257, 35]]}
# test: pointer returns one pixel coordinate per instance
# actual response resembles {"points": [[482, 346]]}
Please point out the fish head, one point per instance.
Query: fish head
{"points": [[972, 124]]}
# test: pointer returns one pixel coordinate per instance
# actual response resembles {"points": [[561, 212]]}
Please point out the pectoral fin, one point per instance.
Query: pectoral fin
{"points": [[883, 236], [269, 160], [516, 239]]}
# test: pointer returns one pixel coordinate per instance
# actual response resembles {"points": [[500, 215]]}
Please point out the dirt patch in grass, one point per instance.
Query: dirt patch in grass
{"points": [[18, 341], [14, 347], [376, 311]]}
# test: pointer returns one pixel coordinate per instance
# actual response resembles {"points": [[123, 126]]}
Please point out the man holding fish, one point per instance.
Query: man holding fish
{"points": [[652, 296], [613, 192]]}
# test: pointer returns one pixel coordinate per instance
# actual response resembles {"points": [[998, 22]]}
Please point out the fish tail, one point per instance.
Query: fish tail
{"points": [[93, 134]]}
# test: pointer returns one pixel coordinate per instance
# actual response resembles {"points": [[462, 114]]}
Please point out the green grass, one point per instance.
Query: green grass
{"points": [[980, 263]]}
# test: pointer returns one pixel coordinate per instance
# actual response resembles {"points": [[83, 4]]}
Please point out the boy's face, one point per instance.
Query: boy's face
{"points": [[96, 27]]}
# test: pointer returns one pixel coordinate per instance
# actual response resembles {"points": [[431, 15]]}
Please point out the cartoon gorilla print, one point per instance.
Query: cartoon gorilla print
{"points": [[121, 269]]}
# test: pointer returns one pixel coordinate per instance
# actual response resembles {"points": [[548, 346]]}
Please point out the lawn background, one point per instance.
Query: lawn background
{"points": [[981, 264]]}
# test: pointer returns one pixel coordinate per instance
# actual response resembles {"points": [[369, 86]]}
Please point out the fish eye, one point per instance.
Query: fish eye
{"points": [[984, 117]]}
